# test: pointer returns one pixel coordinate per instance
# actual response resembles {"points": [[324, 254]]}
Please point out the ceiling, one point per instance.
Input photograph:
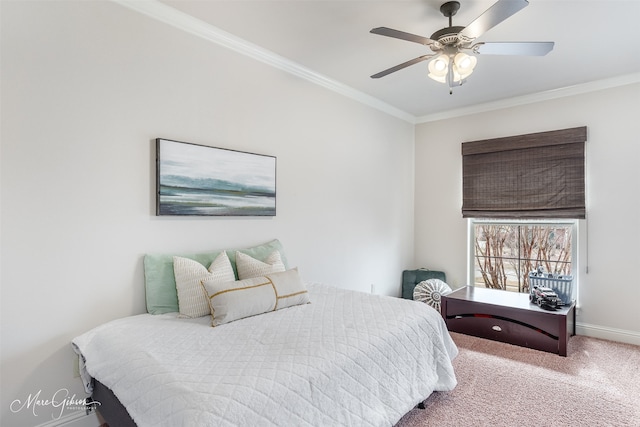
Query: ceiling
{"points": [[594, 41]]}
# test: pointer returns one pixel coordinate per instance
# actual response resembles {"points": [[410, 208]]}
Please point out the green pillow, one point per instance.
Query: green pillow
{"points": [[160, 282]]}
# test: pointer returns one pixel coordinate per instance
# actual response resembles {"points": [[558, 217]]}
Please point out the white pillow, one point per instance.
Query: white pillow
{"points": [[289, 288], [192, 302], [257, 295], [249, 267]]}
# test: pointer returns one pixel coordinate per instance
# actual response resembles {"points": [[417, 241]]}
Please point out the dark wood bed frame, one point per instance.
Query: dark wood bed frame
{"points": [[114, 412], [109, 407]]}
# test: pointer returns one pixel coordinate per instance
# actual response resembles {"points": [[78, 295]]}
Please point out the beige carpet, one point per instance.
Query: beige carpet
{"points": [[597, 384]]}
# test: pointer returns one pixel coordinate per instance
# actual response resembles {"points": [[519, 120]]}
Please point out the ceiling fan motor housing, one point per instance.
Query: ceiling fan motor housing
{"points": [[447, 35]]}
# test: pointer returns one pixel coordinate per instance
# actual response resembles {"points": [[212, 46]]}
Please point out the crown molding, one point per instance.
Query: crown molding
{"points": [[579, 89], [199, 28]]}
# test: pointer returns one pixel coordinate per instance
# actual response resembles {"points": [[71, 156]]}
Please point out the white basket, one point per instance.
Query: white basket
{"points": [[561, 285]]}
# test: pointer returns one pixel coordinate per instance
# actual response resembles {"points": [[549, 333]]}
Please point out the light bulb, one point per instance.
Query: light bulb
{"points": [[463, 65], [438, 68], [439, 65]]}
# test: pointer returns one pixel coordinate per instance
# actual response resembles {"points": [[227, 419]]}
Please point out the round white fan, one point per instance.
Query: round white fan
{"points": [[430, 292]]}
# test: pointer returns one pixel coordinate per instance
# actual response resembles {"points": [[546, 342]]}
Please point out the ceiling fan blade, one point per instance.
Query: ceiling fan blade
{"points": [[513, 48], [401, 66], [497, 13], [389, 32]]}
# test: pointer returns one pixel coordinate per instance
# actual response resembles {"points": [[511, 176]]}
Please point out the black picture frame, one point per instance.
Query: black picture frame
{"points": [[199, 180]]}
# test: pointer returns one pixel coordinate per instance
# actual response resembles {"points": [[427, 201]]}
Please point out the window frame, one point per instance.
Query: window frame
{"points": [[471, 256]]}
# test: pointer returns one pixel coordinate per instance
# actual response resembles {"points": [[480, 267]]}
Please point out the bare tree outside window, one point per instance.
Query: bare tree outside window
{"points": [[506, 253]]}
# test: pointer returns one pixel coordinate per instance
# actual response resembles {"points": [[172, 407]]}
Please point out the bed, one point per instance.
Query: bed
{"points": [[339, 357]]}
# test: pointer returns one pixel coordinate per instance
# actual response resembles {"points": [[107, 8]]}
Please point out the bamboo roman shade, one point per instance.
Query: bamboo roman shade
{"points": [[538, 175]]}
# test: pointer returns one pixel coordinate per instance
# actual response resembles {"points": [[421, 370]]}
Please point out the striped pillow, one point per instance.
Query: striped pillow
{"points": [[249, 267], [192, 302]]}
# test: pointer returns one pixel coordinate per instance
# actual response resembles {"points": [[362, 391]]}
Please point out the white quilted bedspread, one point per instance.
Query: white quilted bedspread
{"points": [[346, 359]]}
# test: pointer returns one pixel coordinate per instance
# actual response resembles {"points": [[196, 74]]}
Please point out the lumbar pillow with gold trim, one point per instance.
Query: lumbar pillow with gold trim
{"points": [[192, 302], [249, 267], [249, 297], [289, 288]]}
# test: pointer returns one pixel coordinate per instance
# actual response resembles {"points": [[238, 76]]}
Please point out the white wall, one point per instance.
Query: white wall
{"points": [[609, 238], [86, 87]]}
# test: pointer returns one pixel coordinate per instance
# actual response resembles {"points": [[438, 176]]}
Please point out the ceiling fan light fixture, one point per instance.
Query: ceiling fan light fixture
{"points": [[439, 79], [463, 65], [448, 64], [465, 62], [439, 68], [441, 63]]}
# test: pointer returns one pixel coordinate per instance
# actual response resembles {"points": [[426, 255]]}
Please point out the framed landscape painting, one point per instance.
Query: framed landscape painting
{"points": [[196, 179]]}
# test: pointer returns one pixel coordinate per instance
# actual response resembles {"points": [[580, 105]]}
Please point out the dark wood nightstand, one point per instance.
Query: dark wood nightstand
{"points": [[508, 317]]}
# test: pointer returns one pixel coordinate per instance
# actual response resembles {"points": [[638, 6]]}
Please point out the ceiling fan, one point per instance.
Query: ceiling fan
{"points": [[449, 62]]}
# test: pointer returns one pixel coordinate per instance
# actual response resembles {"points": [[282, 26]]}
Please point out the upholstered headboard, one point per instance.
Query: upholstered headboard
{"points": [[410, 278]]}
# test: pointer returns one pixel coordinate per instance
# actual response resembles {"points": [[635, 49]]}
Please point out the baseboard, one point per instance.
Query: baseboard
{"points": [[611, 334], [74, 419]]}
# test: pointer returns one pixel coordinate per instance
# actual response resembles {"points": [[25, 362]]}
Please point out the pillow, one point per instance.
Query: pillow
{"points": [[430, 292], [160, 282], [192, 302], [289, 288], [249, 267], [257, 295]]}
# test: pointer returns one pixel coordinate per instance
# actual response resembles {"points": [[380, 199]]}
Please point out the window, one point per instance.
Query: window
{"points": [[511, 186], [503, 253]]}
